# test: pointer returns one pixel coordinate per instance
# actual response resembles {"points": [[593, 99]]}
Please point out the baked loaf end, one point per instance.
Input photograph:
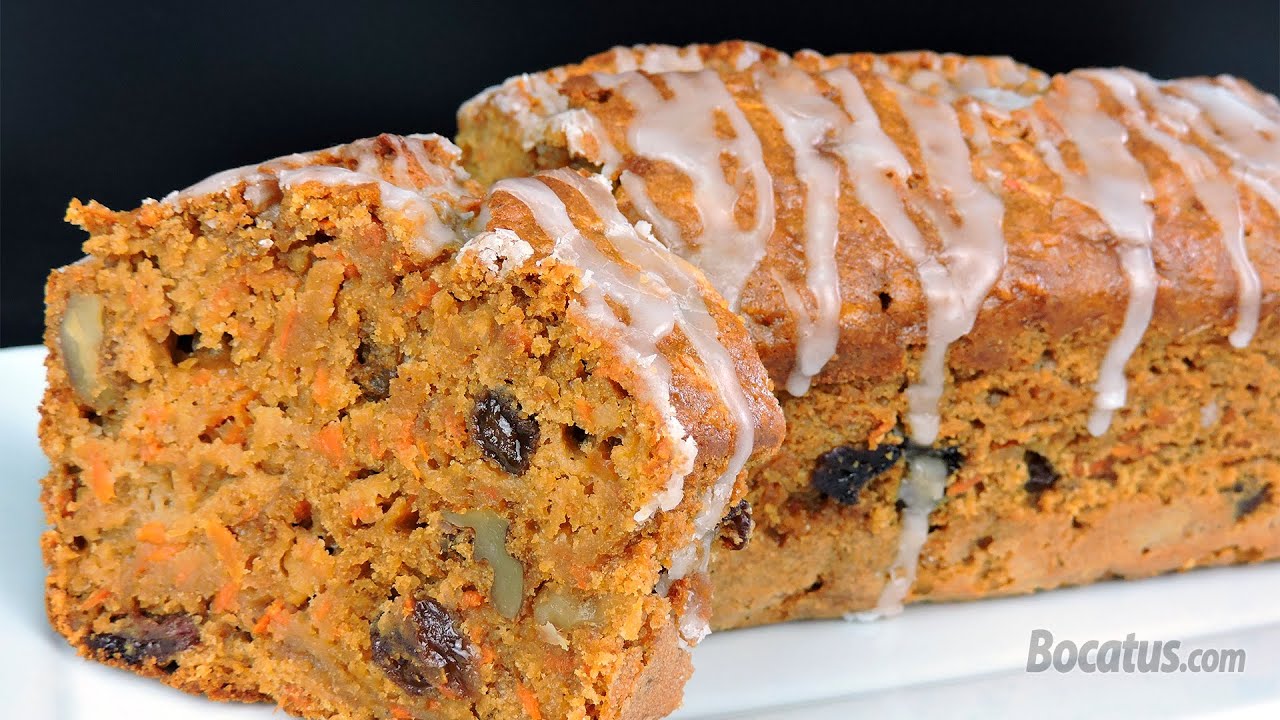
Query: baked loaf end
{"points": [[338, 432], [1024, 328]]}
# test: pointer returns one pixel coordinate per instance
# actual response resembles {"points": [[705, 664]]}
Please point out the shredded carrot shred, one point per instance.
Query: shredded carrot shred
{"points": [[421, 298], [150, 451], [286, 329], [95, 599], [320, 607], [228, 549], [408, 456], [963, 484], [529, 700], [153, 532], [472, 599], [422, 449], [161, 554], [365, 513], [100, 480], [320, 391], [234, 434], [329, 442], [275, 614], [879, 432], [1127, 452]]}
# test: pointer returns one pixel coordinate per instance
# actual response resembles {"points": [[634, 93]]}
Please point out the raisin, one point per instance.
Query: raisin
{"points": [[502, 432], [1041, 475], [376, 366], [736, 527], [422, 652], [1246, 505], [842, 472], [149, 638]]}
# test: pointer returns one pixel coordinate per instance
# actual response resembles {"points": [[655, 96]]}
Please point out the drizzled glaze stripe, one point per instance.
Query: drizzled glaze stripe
{"points": [[650, 320], [1249, 137], [1233, 118], [956, 281], [1217, 194], [973, 249], [660, 294], [664, 132], [808, 120], [637, 244], [1114, 184], [394, 180], [681, 131]]}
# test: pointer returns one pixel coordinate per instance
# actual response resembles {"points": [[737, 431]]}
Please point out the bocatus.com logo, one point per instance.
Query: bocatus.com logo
{"points": [[1130, 655]]}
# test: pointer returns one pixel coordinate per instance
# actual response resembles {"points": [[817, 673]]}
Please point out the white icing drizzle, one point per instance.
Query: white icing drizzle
{"points": [[526, 99], [585, 137], [652, 316], [750, 55], [396, 186], [996, 81], [1246, 132], [667, 58], [499, 250], [432, 237], [639, 246], [1241, 125], [956, 282], [657, 59], [870, 157], [921, 490], [681, 131], [1257, 171], [1115, 185], [973, 249], [808, 119], [1218, 195], [659, 294]]}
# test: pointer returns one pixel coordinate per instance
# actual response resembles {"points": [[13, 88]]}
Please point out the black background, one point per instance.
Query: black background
{"points": [[116, 104]]}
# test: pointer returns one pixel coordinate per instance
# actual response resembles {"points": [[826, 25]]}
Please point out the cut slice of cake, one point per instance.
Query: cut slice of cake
{"points": [[1028, 327], [338, 433]]}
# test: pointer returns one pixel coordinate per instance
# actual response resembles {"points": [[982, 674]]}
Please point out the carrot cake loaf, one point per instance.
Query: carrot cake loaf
{"points": [[343, 432], [1024, 328], [398, 429]]}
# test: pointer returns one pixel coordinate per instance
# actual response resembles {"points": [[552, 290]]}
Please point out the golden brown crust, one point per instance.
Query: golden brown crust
{"points": [[1061, 275]]}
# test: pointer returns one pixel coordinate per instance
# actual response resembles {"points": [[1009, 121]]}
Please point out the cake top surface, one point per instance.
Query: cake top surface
{"points": [[418, 175], [931, 197]]}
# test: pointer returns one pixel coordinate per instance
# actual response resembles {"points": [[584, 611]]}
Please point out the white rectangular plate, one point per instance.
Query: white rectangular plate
{"points": [[939, 661]]}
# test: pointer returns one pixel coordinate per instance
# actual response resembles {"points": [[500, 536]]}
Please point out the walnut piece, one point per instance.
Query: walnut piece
{"points": [[80, 338], [491, 546]]}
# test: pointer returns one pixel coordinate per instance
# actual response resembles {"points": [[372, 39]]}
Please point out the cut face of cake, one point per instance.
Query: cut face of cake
{"points": [[344, 433], [1024, 328]]}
